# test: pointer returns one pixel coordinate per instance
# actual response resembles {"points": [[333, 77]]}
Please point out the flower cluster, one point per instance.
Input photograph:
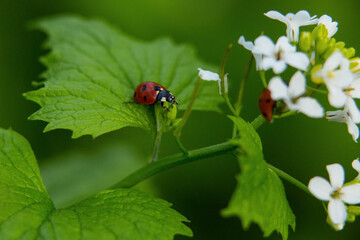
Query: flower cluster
{"points": [[320, 61], [321, 65], [337, 193]]}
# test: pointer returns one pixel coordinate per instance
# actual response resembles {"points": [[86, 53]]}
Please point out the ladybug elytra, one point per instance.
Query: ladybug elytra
{"points": [[151, 92], [266, 104]]}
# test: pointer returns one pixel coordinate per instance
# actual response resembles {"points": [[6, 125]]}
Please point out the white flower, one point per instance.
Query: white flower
{"points": [[350, 115], [329, 24], [292, 95], [335, 193], [208, 75], [293, 22], [337, 77], [356, 165], [278, 56], [249, 46], [211, 76]]}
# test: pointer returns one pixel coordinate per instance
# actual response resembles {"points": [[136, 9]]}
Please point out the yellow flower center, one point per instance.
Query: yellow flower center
{"points": [[330, 74]]}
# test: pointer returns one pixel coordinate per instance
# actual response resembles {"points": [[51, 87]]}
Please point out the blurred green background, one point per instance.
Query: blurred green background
{"points": [[76, 167]]}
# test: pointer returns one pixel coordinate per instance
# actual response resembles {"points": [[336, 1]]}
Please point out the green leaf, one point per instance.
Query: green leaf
{"points": [[259, 196], [93, 69], [27, 211], [73, 176]]}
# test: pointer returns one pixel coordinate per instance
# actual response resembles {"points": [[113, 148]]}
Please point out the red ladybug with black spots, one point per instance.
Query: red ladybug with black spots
{"points": [[151, 92], [266, 104]]}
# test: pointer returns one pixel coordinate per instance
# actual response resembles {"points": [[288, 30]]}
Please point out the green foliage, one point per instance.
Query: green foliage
{"points": [[259, 196], [75, 175], [27, 211], [93, 69]]}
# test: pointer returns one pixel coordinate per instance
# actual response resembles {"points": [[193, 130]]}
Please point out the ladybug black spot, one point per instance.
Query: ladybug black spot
{"points": [[134, 94], [143, 87], [268, 100], [157, 88], [144, 98]]}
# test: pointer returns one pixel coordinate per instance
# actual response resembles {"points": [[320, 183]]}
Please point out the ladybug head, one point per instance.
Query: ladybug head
{"points": [[171, 99]]}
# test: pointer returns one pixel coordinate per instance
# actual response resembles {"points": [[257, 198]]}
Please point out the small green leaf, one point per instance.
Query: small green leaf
{"points": [[27, 211], [259, 196], [93, 69]]}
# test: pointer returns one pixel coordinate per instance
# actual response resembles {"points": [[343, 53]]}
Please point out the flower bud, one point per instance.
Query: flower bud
{"points": [[340, 45], [329, 51], [319, 32], [322, 45], [305, 41], [313, 78], [348, 52], [355, 64]]}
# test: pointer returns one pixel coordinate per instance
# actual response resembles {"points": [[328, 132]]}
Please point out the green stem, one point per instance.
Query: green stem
{"points": [[258, 121], [223, 63], [177, 132], [238, 104], [181, 147], [157, 143], [312, 90], [284, 115], [263, 78], [228, 103], [222, 77], [179, 159], [173, 161], [290, 179], [159, 131]]}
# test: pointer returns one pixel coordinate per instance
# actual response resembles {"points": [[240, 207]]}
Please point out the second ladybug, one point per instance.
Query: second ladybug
{"points": [[151, 92], [266, 104]]}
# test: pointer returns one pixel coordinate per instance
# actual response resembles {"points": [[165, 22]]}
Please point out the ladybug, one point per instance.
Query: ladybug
{"points": [[266, 104], [151, 92]]}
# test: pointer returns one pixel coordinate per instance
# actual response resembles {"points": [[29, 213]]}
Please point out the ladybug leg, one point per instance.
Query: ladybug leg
{"points": [[162, 105]]}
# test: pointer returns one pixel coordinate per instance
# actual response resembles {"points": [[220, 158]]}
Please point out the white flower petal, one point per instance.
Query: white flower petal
{"points": [[310, 107], [298, 60], [246, 44], [297, 85], [336, 175], [337, 98], [341, 78], [351, 194], [284, 45], [268, 62], [278, 88], [337, 211], [303, 18], [353, 110], [320, 188], [333, 61], [279, 66], [355, 85], [264, 45], [336, 116], [356, 165], [277, 16], [208, 76], [259, 60], [352, 128], [329, 24]]}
